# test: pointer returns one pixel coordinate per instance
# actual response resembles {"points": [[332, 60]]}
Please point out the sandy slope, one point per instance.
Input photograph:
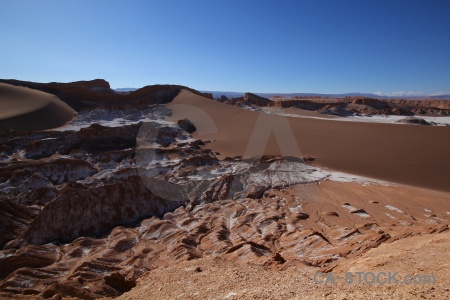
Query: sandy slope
{"points": [[414, 155], [224, 279], [24, 109]]}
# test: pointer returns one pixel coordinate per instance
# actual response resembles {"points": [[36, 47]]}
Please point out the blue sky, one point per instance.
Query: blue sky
{"points": [[400, 46]]}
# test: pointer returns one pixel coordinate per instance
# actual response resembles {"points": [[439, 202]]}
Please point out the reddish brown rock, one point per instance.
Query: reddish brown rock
{"points": [[82, 94]]}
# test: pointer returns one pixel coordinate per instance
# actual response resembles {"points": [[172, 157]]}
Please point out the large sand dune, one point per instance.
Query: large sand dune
{"points": [[408, 154], [25, 109]]}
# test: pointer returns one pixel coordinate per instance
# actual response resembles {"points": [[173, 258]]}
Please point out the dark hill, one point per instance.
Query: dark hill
{"points": [[82, 94]]}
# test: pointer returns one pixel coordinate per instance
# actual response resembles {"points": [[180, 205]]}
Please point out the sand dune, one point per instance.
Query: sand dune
{"points": [[24, 109], [408, 154]]}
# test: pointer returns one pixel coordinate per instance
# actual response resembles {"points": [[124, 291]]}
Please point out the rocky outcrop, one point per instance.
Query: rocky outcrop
{"points": [[375, 103], [94, 93], [274, 231], [347, 106], [249, 99], [80, 210], [223, 98], [187, 125], [413, 120]]}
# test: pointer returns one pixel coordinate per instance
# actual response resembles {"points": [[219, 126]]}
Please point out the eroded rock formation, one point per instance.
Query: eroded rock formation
{"points": [[347, 106], [88, 209]]}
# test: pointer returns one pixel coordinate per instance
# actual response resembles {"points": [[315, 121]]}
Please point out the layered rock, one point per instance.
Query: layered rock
{"points": [[346, 106], [249, 99], [87, 210]]}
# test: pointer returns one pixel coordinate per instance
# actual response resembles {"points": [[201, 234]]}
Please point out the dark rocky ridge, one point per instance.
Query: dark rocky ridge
{"points": [[93, 93], [247, 100], [348, 105]]}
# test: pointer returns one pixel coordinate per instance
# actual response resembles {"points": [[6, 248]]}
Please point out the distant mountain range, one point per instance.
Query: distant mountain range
{"points": [[125, 89], [287, 95], [217, 94]]}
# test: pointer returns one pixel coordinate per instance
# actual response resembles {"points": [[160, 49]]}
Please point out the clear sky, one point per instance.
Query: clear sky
{"points": [[397, 46]]}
